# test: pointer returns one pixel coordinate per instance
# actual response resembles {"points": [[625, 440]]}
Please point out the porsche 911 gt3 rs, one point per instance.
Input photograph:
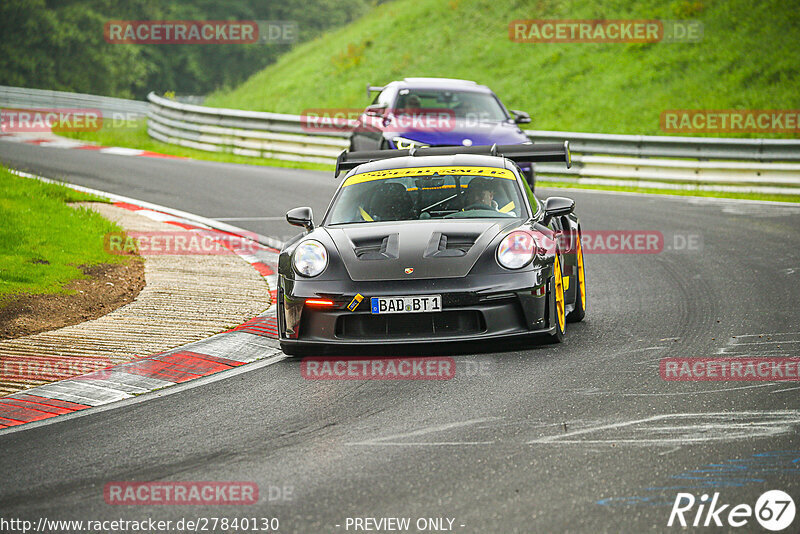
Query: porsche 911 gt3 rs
{"points": [[432, 245]]}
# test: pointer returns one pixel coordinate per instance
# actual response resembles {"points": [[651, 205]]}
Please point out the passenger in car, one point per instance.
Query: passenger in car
{"points": [[480, 194]]}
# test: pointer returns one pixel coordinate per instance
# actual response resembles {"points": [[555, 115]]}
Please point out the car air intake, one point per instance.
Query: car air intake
{"points": [[449, 245], [377, 248], [415, 325]]}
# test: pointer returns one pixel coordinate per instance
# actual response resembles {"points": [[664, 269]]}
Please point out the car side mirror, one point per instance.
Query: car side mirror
{"points": [[520, 117], [301, 217], [556, 207], [376, 110]]}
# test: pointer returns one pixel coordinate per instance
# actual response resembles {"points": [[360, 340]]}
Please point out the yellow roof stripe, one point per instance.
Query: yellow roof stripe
{"points": [[493, 172]]}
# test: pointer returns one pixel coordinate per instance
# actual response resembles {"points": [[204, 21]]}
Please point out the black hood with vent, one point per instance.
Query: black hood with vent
{"points": [[433, 249]]}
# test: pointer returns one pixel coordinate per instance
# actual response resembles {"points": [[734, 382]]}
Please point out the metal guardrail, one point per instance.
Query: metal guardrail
{"points": [[766, 165], [22, 98], [730, 176], [710, 163], [246, 133], [646, 146], [770, 166]]}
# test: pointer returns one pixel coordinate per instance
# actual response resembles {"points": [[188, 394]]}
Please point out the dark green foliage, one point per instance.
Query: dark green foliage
{"points": [[60, 45]]}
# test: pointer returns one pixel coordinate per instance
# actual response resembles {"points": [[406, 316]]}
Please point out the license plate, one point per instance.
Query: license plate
{"points": [[416, 304]]}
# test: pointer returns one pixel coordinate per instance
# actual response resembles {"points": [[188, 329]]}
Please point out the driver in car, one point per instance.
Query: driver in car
{"points": [[412, 104], [480, 194]]}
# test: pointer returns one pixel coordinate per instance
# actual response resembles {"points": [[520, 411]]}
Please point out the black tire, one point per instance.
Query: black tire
{"points": [[579, 312], [558, 287]]}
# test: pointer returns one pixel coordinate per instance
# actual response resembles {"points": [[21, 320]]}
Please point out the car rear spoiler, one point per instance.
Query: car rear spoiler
{"points": [[517, 153], [374, 89]]}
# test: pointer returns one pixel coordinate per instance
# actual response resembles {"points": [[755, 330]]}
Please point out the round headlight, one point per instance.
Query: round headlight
{"points": [[516, 250], [310, 258]]}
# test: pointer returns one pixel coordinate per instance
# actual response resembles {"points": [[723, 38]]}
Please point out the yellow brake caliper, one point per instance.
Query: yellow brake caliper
{"points": [[559, 288], [581, 278]]}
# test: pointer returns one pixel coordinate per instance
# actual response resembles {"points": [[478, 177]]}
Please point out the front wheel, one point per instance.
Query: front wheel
{"points": [[559, 306]]}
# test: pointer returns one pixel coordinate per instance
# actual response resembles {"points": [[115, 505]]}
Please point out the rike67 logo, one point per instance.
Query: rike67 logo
{"points": [[774, 510]]}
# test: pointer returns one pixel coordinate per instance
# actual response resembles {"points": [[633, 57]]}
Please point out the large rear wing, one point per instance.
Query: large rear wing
{"points": [[374, 89], [517, 153]]}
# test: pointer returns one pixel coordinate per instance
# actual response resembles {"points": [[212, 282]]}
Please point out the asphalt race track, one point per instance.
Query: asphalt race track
{"points": [[582, 437]]}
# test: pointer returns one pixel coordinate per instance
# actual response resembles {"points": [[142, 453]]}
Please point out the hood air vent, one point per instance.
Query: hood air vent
{"points": [[377, 248], [449, 245]]}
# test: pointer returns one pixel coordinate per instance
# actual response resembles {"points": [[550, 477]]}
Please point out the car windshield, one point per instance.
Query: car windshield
{"points": [[419, 193], [467, 105]]}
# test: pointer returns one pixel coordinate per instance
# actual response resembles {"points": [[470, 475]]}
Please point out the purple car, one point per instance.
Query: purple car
{"points": [[428, 112]]}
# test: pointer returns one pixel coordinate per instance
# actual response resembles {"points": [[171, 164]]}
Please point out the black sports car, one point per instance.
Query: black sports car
{"points": [[432, 245]]}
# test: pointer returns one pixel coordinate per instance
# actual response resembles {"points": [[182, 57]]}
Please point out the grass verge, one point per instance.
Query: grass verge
{"points": [[43, 240]]}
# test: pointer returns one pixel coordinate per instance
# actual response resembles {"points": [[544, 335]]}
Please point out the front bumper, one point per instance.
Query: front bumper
{"points": [[474, 308]]}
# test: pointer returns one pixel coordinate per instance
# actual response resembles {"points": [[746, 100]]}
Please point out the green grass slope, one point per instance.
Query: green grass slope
{"points": [[748, 59], [43, 240]]}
